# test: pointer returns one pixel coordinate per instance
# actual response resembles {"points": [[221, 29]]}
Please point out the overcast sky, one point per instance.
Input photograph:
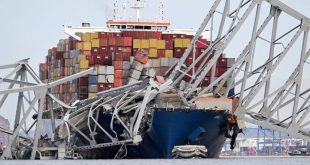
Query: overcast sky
{"points": [[30, 27]]}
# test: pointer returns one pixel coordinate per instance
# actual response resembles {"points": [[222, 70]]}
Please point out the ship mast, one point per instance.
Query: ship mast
{"points": [[137, 5]]}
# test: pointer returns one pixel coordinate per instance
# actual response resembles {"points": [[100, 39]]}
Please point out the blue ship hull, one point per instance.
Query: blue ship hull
{"points": [[170, 128]]}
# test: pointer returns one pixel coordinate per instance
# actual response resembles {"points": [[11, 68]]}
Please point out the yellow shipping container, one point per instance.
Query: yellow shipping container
{"points": [[95, 43], [81, 70], [84, 64], [81, 57], [90, 95], [178, 43], [145, 44], [86, 46], [94, 35], [153, 43], [86, 37], [161, 44], [136, 43], [79, 45], [186, 42], [153, 53], [169, 53]]}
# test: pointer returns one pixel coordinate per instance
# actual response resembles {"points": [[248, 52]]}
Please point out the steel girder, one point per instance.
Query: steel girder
{"points": [[263, 99], [23, 72]]}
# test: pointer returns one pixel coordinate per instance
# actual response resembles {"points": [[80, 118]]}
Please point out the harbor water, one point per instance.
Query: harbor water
{"points": [[222, 161]]}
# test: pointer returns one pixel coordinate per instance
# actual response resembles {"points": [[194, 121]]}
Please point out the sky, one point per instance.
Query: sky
{"points": [[30, 27]]}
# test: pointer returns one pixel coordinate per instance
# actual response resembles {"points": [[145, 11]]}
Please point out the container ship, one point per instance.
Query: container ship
{"points": [[124, 54]]}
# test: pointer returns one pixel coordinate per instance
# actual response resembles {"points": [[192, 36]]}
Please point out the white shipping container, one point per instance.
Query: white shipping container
{"points": [[164, 61], [148, 64], [102, 69], [156, 63], [92, 88], [135, 74], [102, 79], [137, 66], [110, 79], [173, 61], [95, 72], [110, 70]]}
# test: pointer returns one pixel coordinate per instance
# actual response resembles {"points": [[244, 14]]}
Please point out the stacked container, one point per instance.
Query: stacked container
{"points": [[118, 59]]}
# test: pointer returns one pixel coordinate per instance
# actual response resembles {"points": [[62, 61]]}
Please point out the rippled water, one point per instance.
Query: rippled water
{"points": [[221, 161]]}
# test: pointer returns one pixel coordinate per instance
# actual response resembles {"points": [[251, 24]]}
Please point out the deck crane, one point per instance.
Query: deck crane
{"points": [[257, 79]]}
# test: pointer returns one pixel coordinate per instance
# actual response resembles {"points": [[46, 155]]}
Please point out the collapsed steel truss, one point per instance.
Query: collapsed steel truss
{"points": [[23, 75], [265, 111]]}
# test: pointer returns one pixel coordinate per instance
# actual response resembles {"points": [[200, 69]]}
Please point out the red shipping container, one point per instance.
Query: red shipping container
{"points": [[141, 35], [107, 60], [111, 42], [222, 62], [110, 35], [167, 37], [157, 35], [72, 43], [117, 34], [220, 71], [101, 87], [119, 41], [118, 65], [127, 41], [103, 42], [189, 61], [59, 55], [83, 96], [182, 35], [161, 53], [95, 51], [91, 60], [141, 58], [102, 35], [83, 81], [189, 36], [118, 82], [126, 50], [118, 74], [118, 56], [206, 82], [175, 35], [126, 56], [178, 52], [103, 51], [169, 44], [135, 50], [202, 43], [99, 59], [127, 34]]}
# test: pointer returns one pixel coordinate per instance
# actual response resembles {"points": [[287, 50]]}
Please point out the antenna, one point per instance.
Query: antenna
{"points": [[161, 10], [115, 10], [137, 5]]}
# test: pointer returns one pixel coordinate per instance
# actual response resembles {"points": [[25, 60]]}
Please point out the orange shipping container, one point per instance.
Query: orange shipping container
{"points": [[118, 82], [127, 41], [118, 74], [118, 65]]}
